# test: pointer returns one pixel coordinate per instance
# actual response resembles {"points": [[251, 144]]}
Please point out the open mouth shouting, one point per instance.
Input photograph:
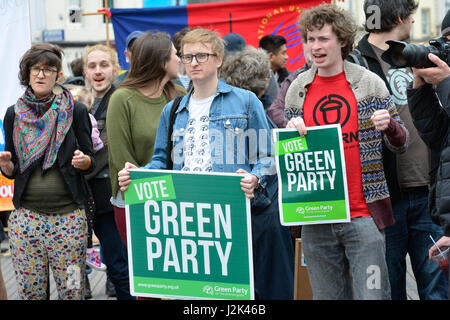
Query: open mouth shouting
{"points": [[99, 81], [319, 58]]}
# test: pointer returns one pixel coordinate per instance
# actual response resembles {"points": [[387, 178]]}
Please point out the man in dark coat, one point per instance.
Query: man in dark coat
{"points": [[429, 103], [407, 174]]}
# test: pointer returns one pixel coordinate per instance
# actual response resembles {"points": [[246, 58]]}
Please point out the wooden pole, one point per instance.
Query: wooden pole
{"points": [[92, 13], [105, 5]]}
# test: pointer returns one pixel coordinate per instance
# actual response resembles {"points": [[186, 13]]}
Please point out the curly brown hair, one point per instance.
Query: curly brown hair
{"points": [[45, 53], [341, 23], [248, 69]]}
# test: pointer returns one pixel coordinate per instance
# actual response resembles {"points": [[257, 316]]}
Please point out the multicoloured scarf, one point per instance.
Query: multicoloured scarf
{"points": [[40, 126]]}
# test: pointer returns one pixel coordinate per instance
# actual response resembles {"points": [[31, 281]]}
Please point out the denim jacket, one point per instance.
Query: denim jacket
{"points": [[239, 134]]}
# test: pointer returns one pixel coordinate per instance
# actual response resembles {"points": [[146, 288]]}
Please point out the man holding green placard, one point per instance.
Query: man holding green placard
{"points": [[311, 173], [335, 91]]}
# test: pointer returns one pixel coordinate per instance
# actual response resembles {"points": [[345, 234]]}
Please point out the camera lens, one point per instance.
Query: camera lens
{"points": [[396, 55], [417, 55]]}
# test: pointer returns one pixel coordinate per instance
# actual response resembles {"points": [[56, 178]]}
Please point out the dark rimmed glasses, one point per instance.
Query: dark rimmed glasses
{"points": [[200, 57], [34, 71]]}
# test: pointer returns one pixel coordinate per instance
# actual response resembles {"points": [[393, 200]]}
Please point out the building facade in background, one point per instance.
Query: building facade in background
{"points": [[62, 21], [428, 17]]}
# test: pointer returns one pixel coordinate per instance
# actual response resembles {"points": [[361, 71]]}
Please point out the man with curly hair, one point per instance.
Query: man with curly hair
{"points": [[367, 116]]}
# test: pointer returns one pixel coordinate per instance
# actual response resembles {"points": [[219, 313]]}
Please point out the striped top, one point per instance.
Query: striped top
{"points": [[371, 94]]}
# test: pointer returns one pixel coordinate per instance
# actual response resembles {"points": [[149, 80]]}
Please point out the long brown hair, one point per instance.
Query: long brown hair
{"points": [[151, 52]]}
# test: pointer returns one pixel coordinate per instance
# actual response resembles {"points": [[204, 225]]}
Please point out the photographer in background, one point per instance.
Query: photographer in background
{"points": [[407, 174], [429, 103]]}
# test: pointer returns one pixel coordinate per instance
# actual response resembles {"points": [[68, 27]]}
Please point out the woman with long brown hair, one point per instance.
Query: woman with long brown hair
{"points": [[135, 108]]}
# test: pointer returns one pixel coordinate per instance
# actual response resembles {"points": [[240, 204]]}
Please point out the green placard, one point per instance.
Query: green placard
{"points": [[189, 236], [311, 176]]}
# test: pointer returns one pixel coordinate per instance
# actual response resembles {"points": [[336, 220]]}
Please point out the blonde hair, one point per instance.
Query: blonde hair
{"points": [[205, 36], [81, 94], [101, 47]]}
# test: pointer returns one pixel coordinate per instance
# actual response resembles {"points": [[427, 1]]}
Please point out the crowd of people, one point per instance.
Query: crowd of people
{"points": [[69, 144]]}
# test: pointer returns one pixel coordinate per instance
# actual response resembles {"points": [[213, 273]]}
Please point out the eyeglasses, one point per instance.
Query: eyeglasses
{"points": [[34, 71], [200, 57]]}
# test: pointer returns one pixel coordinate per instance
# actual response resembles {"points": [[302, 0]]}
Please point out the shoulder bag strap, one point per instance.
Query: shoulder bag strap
{"points": [[173, 116]]}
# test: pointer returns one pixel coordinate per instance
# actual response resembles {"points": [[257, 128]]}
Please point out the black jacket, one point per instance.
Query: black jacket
{"points": [[432, 122], [102, 155], [283, 73], [99, 180], [78, 137], [389, 158]]}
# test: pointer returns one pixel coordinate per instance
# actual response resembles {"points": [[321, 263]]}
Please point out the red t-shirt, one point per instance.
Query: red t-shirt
{"points": [[330, 100]]}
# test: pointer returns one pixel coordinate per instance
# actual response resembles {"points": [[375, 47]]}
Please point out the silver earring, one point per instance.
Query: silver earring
{"points": [[57, 90]]}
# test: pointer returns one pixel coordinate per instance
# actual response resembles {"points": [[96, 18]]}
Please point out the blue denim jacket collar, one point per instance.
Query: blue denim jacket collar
{"points": [[222, 87], [232, 112]]}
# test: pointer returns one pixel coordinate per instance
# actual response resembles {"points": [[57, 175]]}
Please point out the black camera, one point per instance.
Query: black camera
{"points": [[401, 54]]}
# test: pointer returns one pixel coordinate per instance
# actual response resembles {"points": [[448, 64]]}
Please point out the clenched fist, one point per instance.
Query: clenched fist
{"points": [[381, 119]]}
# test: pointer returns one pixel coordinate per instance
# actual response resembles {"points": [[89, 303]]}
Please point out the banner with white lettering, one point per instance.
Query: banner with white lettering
{"points": [[311, 176], [189, 235], [14, 42]]}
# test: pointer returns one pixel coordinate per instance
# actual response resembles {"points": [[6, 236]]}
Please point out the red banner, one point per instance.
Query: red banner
{"points": [[255, 19]]}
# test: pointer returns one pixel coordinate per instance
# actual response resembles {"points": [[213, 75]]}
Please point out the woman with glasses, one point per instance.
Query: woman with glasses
{"points": [[48, 149], [135, 108]]}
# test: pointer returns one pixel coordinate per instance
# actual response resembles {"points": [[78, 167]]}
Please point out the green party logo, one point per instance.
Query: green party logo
{"points": [[208, 290]]}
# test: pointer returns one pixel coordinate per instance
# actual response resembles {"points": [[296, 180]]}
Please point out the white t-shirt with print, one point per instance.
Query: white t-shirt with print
{"points": [[196, 147]]}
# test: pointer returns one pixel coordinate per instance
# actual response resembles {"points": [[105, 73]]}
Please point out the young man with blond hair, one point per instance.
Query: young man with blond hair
{"points": [[330, 250], [100, 70]]}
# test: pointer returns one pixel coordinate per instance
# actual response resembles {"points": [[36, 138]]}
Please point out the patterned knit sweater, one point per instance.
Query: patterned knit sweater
{"points": [[371, 94]]}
